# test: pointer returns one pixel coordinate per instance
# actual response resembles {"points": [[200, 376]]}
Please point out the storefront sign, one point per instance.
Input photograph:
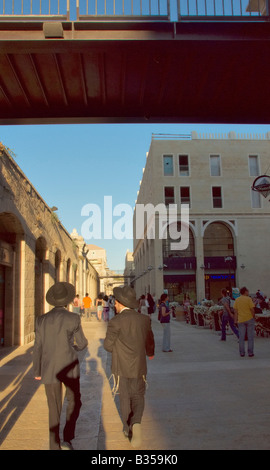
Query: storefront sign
{"points": [[219, 277]]}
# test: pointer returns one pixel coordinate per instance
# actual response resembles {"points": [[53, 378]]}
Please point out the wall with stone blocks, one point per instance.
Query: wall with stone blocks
{"points": [[37, 251]]}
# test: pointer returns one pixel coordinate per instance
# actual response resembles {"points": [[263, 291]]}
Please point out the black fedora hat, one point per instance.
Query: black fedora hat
{"points": [[126, 296], [60, 294]]}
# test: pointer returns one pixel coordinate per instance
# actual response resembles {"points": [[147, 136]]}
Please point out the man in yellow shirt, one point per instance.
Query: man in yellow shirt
{"points": [[245, 316], [87, 302]]}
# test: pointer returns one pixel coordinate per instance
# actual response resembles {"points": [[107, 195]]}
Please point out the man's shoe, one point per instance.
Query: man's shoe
{"points": [[251, 355], [136, 439], [66, 446]]}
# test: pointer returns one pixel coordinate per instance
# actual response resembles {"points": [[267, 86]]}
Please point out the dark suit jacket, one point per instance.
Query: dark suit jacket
{"points": [[130, 339], [55, 356]]}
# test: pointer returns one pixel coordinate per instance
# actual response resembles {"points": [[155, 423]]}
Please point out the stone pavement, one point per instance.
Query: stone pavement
{"points": [[200, 396]]}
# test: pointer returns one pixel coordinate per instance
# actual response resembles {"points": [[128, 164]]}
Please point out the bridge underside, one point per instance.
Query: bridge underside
{"points": [[121, 72]]}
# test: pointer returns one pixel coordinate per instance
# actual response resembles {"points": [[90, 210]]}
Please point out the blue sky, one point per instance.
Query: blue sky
{"points": [[74, 165]]}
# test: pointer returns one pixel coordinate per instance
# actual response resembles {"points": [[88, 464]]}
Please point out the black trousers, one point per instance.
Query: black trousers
{"points": [[55, 402], [131, 394]]}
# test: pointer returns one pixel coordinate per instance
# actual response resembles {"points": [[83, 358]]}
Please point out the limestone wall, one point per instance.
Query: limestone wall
{"points": [[42, 252]]}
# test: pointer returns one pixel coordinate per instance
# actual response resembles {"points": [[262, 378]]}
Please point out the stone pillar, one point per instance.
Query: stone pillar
{"points": [[22, 290], [200, 282]]}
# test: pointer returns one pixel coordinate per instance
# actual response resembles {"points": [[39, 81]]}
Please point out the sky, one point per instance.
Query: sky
{"points": [[72, 166]]}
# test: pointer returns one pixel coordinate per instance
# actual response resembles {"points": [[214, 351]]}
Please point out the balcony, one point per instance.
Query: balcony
{"points": [[223, 10], [156, 10], [219, 262], [179, 263]]}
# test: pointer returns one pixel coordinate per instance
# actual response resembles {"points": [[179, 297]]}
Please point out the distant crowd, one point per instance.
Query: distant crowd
{"points": [[104, 305]]}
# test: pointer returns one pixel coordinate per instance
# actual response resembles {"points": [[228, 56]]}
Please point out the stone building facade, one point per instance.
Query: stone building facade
{"points": [[35, 251], [228, 225]]}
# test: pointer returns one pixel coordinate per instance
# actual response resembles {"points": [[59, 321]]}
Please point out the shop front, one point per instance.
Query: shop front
{"points": [[215, 282], [180, 285]]}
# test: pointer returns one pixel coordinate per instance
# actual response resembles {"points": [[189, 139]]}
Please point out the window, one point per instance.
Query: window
{"points": [[168, 165], [253, 163], [185, 195], [256, 202], [217, 196], [183, 165], [169, 195], [215, 165]]}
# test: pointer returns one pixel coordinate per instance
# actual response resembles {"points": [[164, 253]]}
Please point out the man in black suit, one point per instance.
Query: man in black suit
{"points": [[130, 339], [55, 361]]}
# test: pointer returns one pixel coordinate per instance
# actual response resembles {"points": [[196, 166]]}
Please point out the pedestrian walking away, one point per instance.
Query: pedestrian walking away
{"points": [[245, 313], [58, 337], [164, 317], [143, 305], [99, 305], [130, 339], [106, 309], [87, 302], [151, 304], [228, 315]]}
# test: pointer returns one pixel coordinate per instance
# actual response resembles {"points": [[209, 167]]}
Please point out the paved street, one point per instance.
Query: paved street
{"points": [[200, 396]]}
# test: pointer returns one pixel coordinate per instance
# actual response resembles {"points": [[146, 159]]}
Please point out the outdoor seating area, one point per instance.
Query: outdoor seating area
{"points": [[208, 315], [262, 327]]}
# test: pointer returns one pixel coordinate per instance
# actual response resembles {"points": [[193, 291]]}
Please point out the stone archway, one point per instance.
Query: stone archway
{"points": [[218, 240], [11, 235], [179, 266], [219, 259]]}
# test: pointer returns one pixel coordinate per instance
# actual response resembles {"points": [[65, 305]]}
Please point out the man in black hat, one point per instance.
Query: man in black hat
{"points": [[55, 361], [130, 339]]}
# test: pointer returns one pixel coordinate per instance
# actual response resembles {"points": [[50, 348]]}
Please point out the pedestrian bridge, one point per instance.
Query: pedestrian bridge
{"points": [[134, 61]]}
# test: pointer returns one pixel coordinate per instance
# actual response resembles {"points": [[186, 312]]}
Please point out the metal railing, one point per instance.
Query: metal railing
{"points": [[223, 9], [170, 10], [123, 8], [34, 9]]}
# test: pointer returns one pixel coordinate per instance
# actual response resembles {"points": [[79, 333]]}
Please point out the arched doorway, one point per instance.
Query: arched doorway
{"points": [[40, 257], [11, 234], [179, 266], [219, 259]]}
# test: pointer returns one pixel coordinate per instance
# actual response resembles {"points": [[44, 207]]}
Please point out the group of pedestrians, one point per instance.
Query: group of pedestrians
{"points": [[240, 316], [59, 335], [84, 307], [130, 340], [147, 304]]}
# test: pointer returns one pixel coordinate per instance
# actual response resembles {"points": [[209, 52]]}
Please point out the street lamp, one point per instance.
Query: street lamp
{"points": [[262, 185], [162, 266]]}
